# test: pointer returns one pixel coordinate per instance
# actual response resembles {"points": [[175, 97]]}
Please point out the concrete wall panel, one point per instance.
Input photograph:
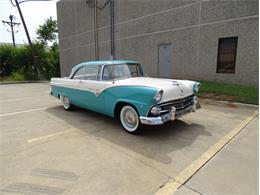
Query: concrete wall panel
{"points": [[132, 9], [66, 14], [247, 51], [212, 11], [179, 18], [68, 59], [193, 27]]}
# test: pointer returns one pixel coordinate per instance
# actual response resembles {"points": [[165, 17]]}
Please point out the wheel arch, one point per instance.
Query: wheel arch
{"points": [[119, 105]]}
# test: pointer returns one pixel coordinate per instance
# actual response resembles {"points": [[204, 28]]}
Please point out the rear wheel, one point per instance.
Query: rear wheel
{"points": [[129, 119], [66, 103]]}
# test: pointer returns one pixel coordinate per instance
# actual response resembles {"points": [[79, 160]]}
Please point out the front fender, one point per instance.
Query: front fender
{"points": [[139, 96]]}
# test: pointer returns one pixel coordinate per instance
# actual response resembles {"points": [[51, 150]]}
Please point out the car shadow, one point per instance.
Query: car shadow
{"points": [[154, 142]]}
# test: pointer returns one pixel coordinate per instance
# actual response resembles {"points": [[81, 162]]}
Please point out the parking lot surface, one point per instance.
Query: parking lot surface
{"points": [[45, 149]]}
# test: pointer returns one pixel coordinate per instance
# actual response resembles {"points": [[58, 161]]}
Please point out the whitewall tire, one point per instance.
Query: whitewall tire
{"points": [[129, 119], [66, 103]]}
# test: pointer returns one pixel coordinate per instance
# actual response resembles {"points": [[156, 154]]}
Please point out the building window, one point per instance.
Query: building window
{"points": [[227, 49]]}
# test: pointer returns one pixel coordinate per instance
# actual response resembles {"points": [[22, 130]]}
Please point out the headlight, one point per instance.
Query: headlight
{"points": [[156, 110], [158, 96], [196, 87]]}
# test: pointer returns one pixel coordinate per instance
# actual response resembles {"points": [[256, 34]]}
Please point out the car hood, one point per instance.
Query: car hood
{"points": [[172, 89]]}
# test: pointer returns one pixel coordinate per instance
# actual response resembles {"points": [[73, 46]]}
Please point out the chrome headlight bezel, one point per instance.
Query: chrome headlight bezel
{"points": [[156, 110], [158, 96], [196, 87]]}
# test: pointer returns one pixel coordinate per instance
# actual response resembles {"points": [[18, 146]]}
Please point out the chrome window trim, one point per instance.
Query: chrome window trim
{"points": [[141, 70], [98, 74], [72, 77]]}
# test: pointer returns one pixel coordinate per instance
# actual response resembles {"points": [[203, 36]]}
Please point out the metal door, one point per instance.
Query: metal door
{"points": [[165, 60]]}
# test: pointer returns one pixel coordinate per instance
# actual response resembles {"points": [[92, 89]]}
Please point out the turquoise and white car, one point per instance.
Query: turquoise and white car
{"points": [[119, 89]]}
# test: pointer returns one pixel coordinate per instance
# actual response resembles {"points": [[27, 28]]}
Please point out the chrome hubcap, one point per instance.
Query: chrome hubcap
{"points": [[129, 118], [66, 102]]}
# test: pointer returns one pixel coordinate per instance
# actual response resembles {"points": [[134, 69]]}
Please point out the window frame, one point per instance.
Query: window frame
{"points": [[77, 71], [218, 67], [98, 73], [103, 68]]}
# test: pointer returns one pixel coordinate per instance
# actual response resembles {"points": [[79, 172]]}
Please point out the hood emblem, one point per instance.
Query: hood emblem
{"points": [[181, 92], [175, 83]]}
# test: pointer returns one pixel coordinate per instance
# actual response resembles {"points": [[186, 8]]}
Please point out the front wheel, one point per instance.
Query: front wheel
{"points": [[130, 119]]}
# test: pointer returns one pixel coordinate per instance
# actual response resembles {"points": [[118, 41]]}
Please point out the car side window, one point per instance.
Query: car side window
{"points": [[107, 74], [91, 72], [134, 70], [79, 73]]}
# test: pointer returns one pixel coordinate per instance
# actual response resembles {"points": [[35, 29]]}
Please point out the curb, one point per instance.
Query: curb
{"points": [[215, 102], [21, 82], [178, 181]]}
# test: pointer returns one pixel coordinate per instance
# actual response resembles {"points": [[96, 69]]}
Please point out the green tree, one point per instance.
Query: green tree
{"points": [[47, 32], [48, 57]]}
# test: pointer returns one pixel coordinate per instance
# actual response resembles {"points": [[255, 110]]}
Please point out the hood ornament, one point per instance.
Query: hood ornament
{"points": [[175, 83], [181, 92]]}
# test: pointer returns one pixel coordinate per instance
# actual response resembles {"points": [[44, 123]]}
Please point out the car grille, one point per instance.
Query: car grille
{"points": [[179, 104]]}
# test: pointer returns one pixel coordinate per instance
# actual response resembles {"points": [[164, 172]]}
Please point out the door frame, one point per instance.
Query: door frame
{"points": [[158, 56]]}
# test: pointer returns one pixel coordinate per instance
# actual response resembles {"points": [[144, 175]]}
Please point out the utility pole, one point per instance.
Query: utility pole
{"points": [[12, 24], [36, 71], [112, 29], [95, 27], [93, 4]]}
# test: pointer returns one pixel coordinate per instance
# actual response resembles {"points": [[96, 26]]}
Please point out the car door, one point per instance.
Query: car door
{"points": [[92, 85], [74, 91]]}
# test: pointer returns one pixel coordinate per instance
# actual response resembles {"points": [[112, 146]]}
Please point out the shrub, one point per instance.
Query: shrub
{"points": [[19, 59], [7, 60], [17, 76]]}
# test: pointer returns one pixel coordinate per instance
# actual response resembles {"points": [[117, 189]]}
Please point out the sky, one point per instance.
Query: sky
{"points": [[34, 15]]}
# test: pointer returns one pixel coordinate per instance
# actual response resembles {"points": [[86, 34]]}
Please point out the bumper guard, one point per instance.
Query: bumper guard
{"points": [[170, 116]]}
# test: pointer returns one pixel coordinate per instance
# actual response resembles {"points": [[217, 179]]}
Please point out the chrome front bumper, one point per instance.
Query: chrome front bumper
{"points": [[171, 116]]}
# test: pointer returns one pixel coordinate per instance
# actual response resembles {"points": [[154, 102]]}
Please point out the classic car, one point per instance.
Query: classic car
{"points": [[119, 89]]}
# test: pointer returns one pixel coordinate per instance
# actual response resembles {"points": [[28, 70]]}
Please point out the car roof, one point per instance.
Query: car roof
{"points": [[104, 62]]}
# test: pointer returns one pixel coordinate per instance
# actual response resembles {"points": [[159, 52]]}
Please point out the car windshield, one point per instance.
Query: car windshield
{"points": [[121, 71]]}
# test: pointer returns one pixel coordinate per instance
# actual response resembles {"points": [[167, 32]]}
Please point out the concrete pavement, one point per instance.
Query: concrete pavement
{"points": [[234, 170], [49, 150]]}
